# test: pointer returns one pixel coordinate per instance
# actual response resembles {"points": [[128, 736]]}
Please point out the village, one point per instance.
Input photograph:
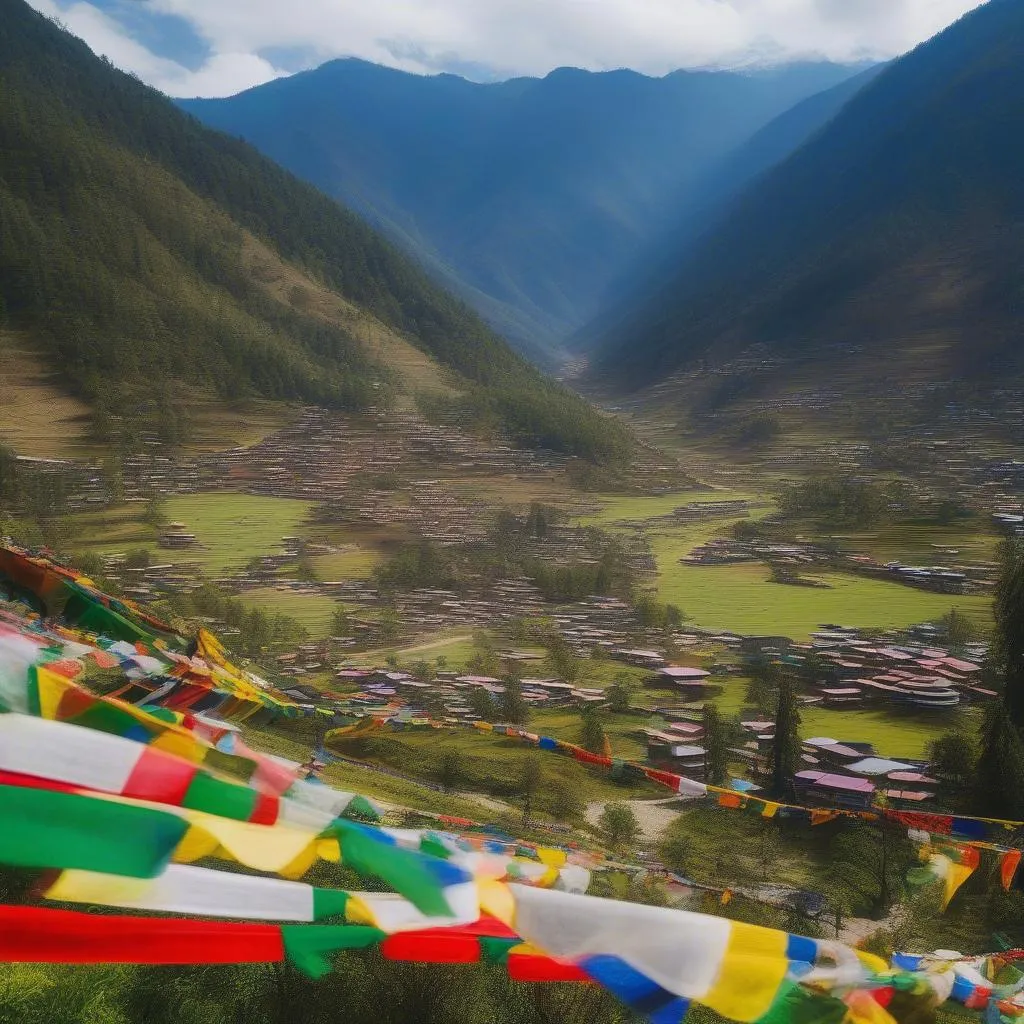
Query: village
{"points": [[398, 473]]}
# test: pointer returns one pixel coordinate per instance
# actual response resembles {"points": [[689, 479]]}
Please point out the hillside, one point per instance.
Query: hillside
{"points": [[145, 258], [528, 197], [884, 248], [720, 185]]}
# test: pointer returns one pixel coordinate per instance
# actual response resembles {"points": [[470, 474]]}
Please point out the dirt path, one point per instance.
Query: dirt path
{"points": [[856, 929], [654, 816]]}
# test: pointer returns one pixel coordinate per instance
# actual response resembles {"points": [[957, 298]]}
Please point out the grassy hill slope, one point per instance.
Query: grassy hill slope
{"points": [[128, 233]]}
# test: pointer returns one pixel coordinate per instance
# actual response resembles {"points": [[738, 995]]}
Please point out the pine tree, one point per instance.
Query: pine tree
{"points": [[512, 704], [592, 735], [786, 748], [1009, 634], [449, 769], [530, 777], [482, 704], [716, 751], [619, 825], [1000, 771]]}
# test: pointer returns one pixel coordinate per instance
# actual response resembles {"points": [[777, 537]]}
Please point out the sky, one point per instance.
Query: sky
{"points": [[220, 47]]}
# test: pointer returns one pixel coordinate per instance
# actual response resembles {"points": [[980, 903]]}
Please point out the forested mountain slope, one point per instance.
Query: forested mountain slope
{"points": [[721, 185], [896, 229], [128, 239], [527, 196]]}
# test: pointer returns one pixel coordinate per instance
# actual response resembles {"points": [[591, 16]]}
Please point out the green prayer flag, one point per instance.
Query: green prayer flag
{"points": [[406, 872], [794, 1004], [46, 829], [308, 945], [329, 903], [215, 796]]}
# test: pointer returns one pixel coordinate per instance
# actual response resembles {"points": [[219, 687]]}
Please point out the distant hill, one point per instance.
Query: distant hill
{"points": [[890, 243], [528, 197], [709, 199], [144, 256]]}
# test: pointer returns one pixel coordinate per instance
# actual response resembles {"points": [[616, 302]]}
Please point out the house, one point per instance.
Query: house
{"points": [[644, 659], [843, 791], [690, 678]]}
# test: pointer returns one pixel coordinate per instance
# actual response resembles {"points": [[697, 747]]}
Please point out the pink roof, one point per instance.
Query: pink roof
{"points": [[836, 748], [961, 666], [894, 655], [908, 794], [875, 684], [844, 782], [689, 728], [684, 673], [912, 777]]}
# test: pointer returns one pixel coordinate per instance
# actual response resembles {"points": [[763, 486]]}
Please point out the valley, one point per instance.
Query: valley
{"points": [[533, 550]]}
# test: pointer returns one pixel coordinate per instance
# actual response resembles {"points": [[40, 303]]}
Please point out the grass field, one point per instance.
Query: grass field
{"points": [[622, 730], [356, 563], [493, 763], [743, 598], [231, 528], [37, 418], [376, 786], [314, 611], [215, 424], [921, 542], [456, 651], [234, 528], [894, 733], [620, 508]]}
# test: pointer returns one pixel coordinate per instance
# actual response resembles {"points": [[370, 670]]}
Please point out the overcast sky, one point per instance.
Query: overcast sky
{"points": [[219, 47]]}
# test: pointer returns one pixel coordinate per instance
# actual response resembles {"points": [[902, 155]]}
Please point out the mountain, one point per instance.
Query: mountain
{"points": [[529, 196], [888, 244], [709, 199], [144, 257]]}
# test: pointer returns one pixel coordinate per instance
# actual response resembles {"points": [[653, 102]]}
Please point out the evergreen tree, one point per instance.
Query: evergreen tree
{"points": [[565, 803], [619, 825], [786, 748], [1009, 632], [763, 688], [449, 770], [530, 777], [482, 704], [953, 759], [512, 705], [716, 750], [592, 736], [562, 661], [999, 791], [341, 624], [620, 693]]}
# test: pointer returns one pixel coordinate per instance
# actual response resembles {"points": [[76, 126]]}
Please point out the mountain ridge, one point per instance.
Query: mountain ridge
{"points": [[893, 224], [525, 196]]}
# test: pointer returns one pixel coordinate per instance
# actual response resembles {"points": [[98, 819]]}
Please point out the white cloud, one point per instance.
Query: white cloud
{"points": [[518, 36], [223, 74]]}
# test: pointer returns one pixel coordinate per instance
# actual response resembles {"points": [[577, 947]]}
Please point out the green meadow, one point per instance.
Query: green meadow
{"points": [[742, 598], [314, 611], [231, 528]]}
